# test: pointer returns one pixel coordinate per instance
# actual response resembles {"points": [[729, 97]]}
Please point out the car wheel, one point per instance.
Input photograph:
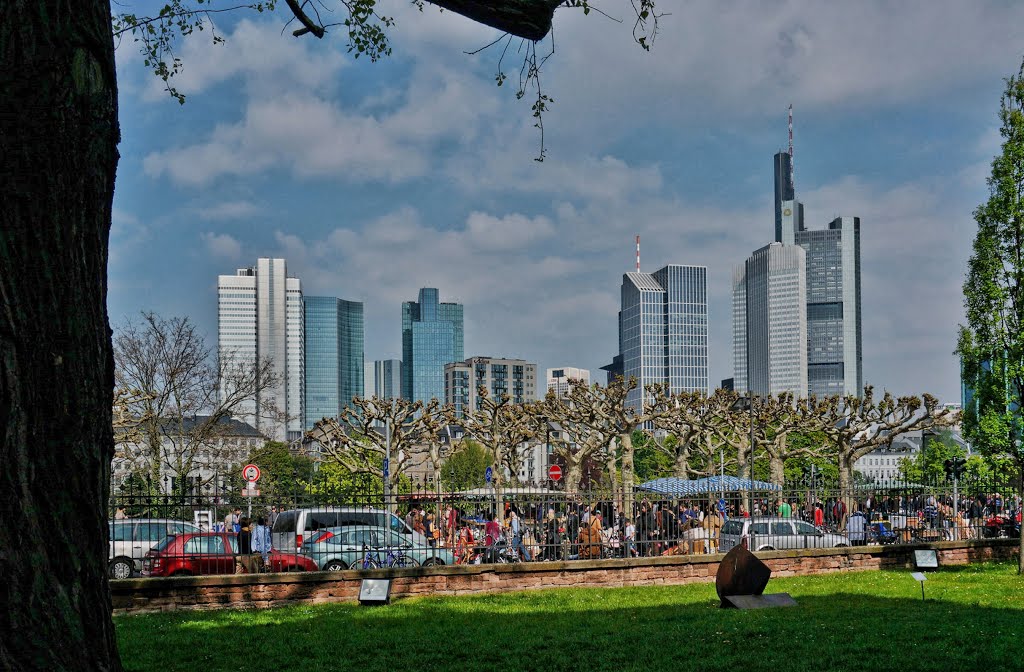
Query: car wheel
{"points": [[335, 566], [120, 569], [767, 548], [433, 562], [841, 545], [182, 572]]}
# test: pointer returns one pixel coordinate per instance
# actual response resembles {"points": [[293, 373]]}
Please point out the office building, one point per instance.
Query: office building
{"points": [[383, 379], [260, 318], [558, 379], [770, 322], [515, 377], [432, 336], [663, 330], [834, 333], [334, 356]]}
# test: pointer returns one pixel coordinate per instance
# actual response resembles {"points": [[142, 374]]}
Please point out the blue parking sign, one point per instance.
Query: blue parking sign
{"points": [[721, 506], [488, 474]]}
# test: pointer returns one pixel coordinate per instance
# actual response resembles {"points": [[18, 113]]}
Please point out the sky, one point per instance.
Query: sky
{"points": [[375, 179]]}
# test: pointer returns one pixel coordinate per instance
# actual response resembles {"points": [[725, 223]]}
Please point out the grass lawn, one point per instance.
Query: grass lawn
{"points": [[973, 619]]}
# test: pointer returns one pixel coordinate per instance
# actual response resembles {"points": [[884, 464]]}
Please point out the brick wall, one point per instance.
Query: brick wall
{"points": [[270, 590]]}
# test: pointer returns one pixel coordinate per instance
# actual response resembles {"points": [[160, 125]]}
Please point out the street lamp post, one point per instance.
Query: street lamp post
{"points": [[750, 456]]}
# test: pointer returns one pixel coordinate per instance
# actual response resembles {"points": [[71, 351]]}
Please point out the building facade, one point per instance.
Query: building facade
{"points": [[515, 377], [663, 329], [833, 308], [432, 336], [334, 356], [383, 379], [558, 379], [260, 318], [770, 322]]}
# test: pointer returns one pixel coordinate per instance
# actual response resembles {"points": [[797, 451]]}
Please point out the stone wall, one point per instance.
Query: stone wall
{"points": [[271, 590]]}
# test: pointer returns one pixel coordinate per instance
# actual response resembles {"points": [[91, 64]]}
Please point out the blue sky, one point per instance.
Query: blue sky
{"points": [[374, 180]]}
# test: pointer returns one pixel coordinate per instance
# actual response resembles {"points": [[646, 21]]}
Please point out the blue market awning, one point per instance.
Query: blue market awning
{"points": [[673, 486]]}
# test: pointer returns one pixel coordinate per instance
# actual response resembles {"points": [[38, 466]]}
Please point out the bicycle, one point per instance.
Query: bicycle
{"points": [[372, 560]]}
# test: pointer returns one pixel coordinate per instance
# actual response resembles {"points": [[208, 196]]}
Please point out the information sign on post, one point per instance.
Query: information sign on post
{"points": [[488, 474], [555, 473]]}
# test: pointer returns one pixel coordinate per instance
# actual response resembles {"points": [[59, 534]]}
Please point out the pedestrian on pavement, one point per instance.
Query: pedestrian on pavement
{"points": [[262, 544]]}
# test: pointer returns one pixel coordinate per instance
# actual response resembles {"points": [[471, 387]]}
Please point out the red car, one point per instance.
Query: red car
{"points": [[210, 553]]}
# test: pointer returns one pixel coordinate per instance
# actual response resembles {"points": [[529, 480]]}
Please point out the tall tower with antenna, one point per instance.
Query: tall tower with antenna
{"points": [[784, 191]]}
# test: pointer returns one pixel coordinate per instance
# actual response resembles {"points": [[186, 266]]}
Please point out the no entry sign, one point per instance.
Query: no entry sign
{"points": [[555, 472], [251, 473]]}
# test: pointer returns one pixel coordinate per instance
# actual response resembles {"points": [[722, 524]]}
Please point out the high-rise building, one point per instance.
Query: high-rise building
{"points": [[559, 379], [334, 356], [462, 380], [770, 321], [260, 318], [432, 336], [663, 329], [834, 334], [383, 379]]}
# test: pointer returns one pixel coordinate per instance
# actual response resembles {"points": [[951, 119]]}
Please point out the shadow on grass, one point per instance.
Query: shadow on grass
{"points": [[863, 621]]}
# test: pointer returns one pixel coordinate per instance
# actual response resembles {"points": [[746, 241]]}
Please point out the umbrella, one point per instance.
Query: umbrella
{"points": [[681, 487]]}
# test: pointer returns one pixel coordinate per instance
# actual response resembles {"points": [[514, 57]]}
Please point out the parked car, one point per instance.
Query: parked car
{"points": [[131, 538], [294, 527], [346, 547], [210, 553], [771, 534]]}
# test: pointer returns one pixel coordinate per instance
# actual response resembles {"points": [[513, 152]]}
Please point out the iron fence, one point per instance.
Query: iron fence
{"points": [[155, 534]]}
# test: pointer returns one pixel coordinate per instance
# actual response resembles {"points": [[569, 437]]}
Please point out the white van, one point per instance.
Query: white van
{"points": [[130, 538], [292, 527]]}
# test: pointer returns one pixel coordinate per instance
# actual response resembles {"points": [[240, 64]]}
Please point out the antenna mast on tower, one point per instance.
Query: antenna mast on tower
{"points": [[791, 184], [638, 254]]}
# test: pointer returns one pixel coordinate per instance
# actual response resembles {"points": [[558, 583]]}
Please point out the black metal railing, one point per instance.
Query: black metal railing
{"points": [[157, 534]]}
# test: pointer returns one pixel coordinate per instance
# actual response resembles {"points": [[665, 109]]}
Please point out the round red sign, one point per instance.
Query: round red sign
{"points": [[555, 472], [251, 473]]}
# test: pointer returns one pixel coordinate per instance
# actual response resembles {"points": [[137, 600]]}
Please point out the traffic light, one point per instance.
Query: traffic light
{"points": [[955, 467]]}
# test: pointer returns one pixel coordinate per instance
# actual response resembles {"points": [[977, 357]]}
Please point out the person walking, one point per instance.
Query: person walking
{"points": [[515, 529], [243, 561], [262, 544]]}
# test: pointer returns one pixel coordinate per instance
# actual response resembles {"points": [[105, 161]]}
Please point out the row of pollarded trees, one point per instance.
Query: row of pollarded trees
{"points": [[595, 423]]}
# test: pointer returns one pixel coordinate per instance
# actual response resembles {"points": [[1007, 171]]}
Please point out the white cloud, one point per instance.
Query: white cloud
{"points": [[222, 245]]}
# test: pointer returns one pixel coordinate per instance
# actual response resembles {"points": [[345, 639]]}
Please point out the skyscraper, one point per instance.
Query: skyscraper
{"points": [[834, 335], [432, 336], [260, 318], [334, 356], [663, 329], [383, 379], [559, 379], [770, 322]]}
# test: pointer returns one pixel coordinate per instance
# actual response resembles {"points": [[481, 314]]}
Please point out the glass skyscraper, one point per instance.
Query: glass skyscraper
{"points": [[259, 318], [432, 336], [833, 308], [770, 321], [663, 329], [334, 356], [383, 379]]}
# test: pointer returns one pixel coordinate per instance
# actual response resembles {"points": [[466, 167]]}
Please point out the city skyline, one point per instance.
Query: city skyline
{"points": [[418, 171]]}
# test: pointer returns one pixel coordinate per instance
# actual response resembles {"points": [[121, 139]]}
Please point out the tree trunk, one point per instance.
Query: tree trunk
{"points": [[776, 470], [529, 19], [626, 439], [681, 466], [573, 476], [58, 140]]}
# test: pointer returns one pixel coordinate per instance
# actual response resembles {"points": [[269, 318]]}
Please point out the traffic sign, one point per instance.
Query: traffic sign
{"points": [[251, 473], [387, 467], [721, 506], [250, 492], [555, 472], [488, 473]]}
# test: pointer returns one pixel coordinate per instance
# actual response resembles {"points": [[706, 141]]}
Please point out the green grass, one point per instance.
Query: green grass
{"points": [[973, 619]]}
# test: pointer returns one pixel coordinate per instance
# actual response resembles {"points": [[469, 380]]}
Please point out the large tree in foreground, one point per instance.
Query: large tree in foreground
{"points": [[58, 149], [991, 345]]}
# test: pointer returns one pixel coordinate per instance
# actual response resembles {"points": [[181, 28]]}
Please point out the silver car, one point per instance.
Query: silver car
{"points": [[130, 538], [775, 534]]}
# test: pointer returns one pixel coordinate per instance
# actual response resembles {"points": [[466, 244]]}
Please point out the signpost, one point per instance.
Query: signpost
{"points": [[555, 473], [251, 473], [488, 474]]}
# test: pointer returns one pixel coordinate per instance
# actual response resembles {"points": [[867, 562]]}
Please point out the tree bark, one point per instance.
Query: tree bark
{"points": [[58, 143], [529, 19]]}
